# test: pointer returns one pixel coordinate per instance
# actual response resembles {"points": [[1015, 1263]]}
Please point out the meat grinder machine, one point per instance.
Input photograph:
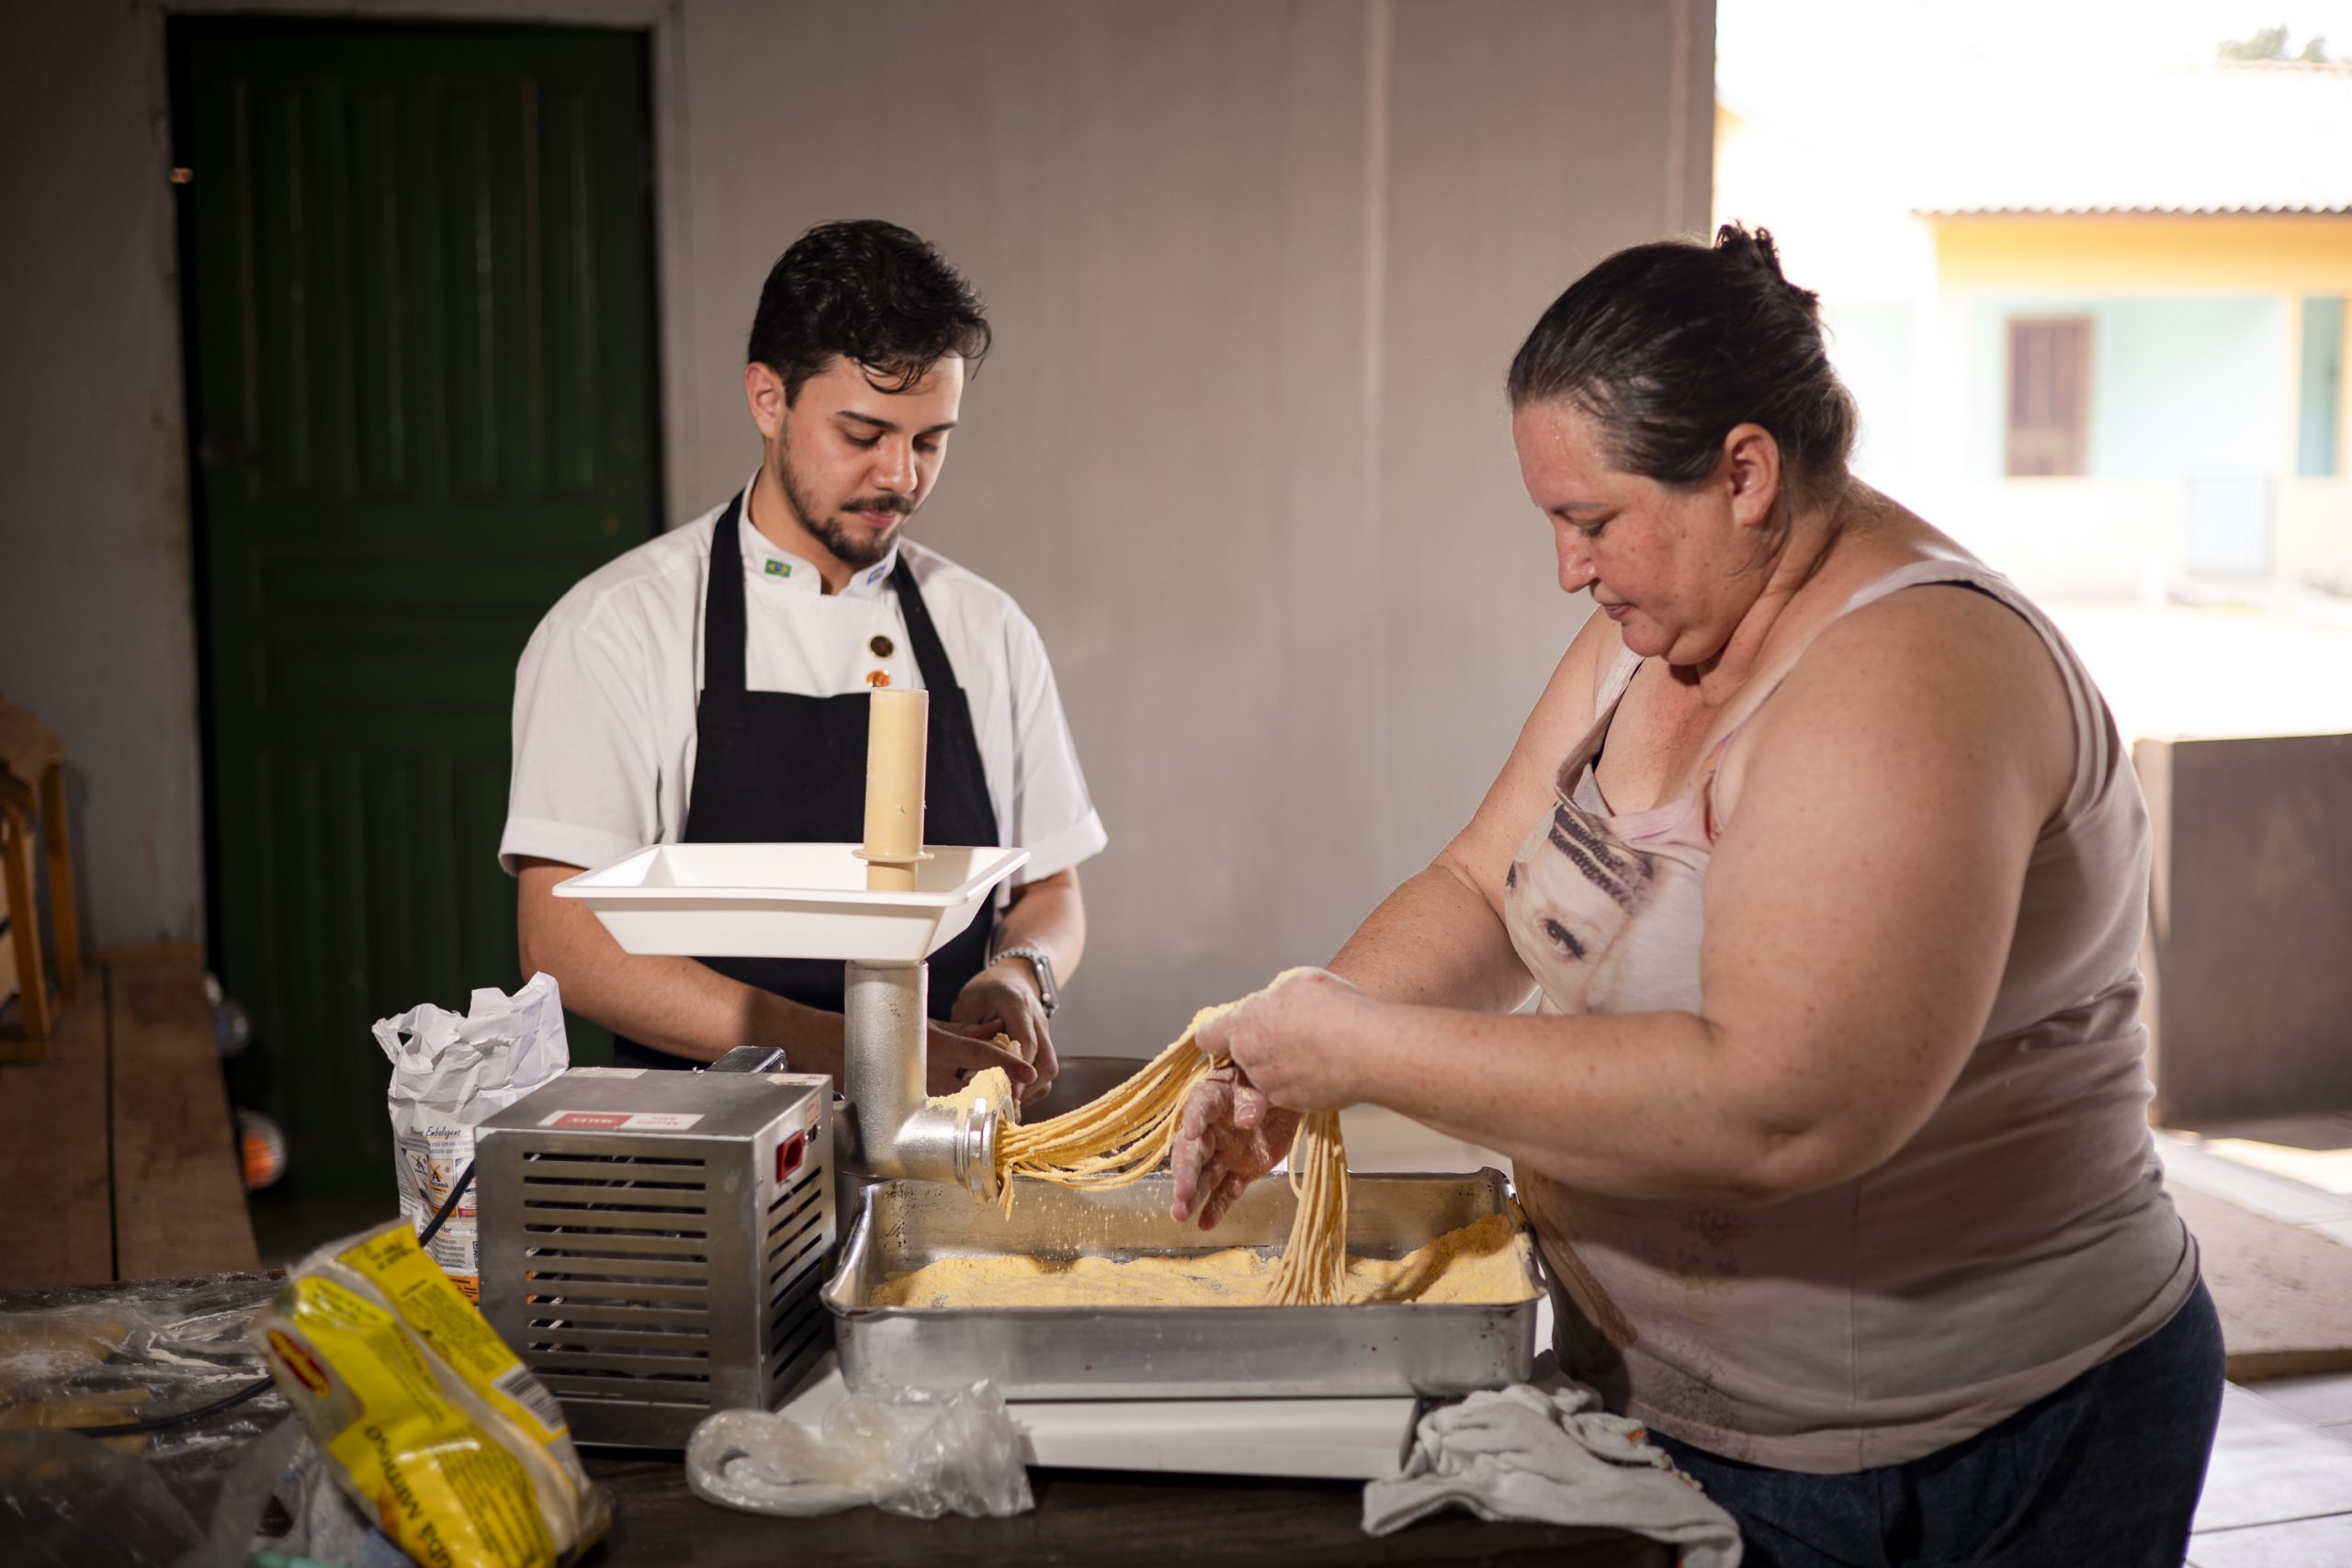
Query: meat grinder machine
{"points": [[653, 1242]]}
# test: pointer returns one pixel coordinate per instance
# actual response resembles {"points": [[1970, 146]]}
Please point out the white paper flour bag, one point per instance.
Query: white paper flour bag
{"points": [[451, 1072]]}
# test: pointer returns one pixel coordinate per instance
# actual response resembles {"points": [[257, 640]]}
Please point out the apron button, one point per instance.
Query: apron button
{"points": [[878, 677], [881, 647]]}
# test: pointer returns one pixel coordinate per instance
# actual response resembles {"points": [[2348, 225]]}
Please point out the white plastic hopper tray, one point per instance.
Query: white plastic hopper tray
{"points": [[786, 902]]}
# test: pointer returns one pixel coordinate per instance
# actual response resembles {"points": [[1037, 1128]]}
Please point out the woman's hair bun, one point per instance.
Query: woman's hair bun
{"points": [[1756, 247], [1672, 343], [1752, 246]]}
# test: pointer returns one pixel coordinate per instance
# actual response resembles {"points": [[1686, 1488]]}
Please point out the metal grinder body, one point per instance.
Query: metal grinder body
{"points": [[652, 1243]]}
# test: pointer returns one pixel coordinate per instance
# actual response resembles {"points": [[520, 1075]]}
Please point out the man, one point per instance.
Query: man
{"points": [[711, 686]]}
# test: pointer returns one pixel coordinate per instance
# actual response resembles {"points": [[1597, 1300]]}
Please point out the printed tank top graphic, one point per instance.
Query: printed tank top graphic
{"points": [[1585, 878]]}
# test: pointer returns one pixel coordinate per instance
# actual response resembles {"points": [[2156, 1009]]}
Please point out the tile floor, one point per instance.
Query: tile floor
{"points": [[2196, 1163], [2279, 1493]]}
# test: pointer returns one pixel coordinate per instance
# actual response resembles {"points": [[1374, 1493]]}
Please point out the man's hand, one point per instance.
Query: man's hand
{"points": [[1003, 999], [1228, 1137], [953, 1054]]}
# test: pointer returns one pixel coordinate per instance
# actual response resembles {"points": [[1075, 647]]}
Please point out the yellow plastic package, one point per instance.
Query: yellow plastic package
{"points": [[460, 1455]]}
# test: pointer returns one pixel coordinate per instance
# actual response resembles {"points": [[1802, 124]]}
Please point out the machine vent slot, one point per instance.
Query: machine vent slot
{"points": [[799, 1192], [557, 1354], [553, 1157], [535, 1181], [790, 1222], [795, 1329], [600, 1296], [621, 1268], [609, 1223], [643, 1276], [798, 1231], [621, 1328], [617, 1267], [576, 1367], [577, 1339], [692, 1394], [787, 1264], [606, 1194], [635, 1249], [790, 1354], [795, 1294]]}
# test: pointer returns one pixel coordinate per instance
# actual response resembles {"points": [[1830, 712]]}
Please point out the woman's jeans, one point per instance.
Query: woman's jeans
{"points": [[2106, 1471]]}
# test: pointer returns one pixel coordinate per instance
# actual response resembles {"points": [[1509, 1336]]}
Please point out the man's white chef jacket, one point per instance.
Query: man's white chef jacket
{"points": [[605, 696]]}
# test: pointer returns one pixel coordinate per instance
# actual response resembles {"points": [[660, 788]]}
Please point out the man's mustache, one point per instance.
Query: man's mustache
{"points": [[897, 504]]}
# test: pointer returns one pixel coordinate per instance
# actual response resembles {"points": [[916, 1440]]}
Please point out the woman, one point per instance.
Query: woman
{"points": [[1830, 867]]}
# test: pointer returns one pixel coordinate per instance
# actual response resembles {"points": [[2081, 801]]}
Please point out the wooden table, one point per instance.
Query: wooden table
{"points": [[1085, 1519], [118, 1157]]}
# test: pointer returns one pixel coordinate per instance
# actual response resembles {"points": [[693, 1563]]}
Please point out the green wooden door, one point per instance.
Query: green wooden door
{"points": [[421, 335]]}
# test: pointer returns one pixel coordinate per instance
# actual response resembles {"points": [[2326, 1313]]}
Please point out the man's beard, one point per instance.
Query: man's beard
{"points": [[853, 544]]}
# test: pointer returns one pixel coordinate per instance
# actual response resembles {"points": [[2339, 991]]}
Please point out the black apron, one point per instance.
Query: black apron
{"points": [[772, 767]]}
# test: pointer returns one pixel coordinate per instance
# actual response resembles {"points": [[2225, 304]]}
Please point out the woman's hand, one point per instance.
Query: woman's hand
{"points": [[1284, 1039], [1239, 1123], [1227, 1137]]}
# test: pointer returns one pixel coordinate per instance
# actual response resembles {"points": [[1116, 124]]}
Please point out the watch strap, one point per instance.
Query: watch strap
{"points": [[1048, 994]]}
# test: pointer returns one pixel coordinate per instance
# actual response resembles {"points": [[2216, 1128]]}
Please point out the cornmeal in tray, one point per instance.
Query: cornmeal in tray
{"points": [[1479, 1264]]}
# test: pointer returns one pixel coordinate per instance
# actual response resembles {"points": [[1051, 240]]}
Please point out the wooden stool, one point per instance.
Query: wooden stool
{"points": [[32, 807]]}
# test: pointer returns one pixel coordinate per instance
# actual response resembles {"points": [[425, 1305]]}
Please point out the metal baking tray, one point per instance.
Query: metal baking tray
{"points": [[1173, 1352]]}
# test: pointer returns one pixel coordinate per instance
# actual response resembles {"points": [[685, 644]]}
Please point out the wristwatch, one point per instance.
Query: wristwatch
{"points": [[1046, 995]]}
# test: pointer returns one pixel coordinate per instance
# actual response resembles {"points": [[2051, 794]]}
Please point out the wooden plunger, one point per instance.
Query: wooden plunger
{"points": [[896, 738]]}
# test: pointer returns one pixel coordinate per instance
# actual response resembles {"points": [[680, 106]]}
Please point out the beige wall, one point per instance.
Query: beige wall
{"points": [[1256, 268], [1256, 271], [97, 634]]}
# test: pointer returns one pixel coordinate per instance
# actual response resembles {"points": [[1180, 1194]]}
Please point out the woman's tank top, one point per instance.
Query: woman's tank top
{"points": [[2020, 1237]]}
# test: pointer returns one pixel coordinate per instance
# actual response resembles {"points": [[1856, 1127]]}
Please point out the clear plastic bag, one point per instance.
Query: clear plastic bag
{"points": [[282, 1504], [910, 1452], [205, 1495], [79, 1358], [69, 1502]]}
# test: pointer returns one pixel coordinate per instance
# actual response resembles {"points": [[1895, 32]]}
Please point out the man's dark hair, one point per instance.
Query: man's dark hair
{"points": [[1669, 345], [870, 292]]}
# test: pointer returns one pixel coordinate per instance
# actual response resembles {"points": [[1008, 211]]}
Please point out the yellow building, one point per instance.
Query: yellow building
{"points": [[2109, 351]]}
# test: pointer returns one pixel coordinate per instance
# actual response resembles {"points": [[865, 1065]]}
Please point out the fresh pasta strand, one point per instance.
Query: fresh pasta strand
{"points": [[1120, 1138], [1312, 1271], [1125, 1134]]}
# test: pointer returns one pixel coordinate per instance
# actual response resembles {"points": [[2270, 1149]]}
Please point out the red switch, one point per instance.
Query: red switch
{"points": [[788, 1155]]}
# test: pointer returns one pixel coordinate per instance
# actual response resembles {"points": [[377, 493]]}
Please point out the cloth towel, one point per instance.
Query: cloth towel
{"points": [[1551, 1454]]}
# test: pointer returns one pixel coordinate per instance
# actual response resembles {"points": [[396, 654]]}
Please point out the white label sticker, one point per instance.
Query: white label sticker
{"points": [[607, 1072], [622, 1121]]}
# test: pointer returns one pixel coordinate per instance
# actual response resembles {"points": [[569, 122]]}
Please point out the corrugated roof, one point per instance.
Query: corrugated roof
{"points": [[2269, 137]]}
